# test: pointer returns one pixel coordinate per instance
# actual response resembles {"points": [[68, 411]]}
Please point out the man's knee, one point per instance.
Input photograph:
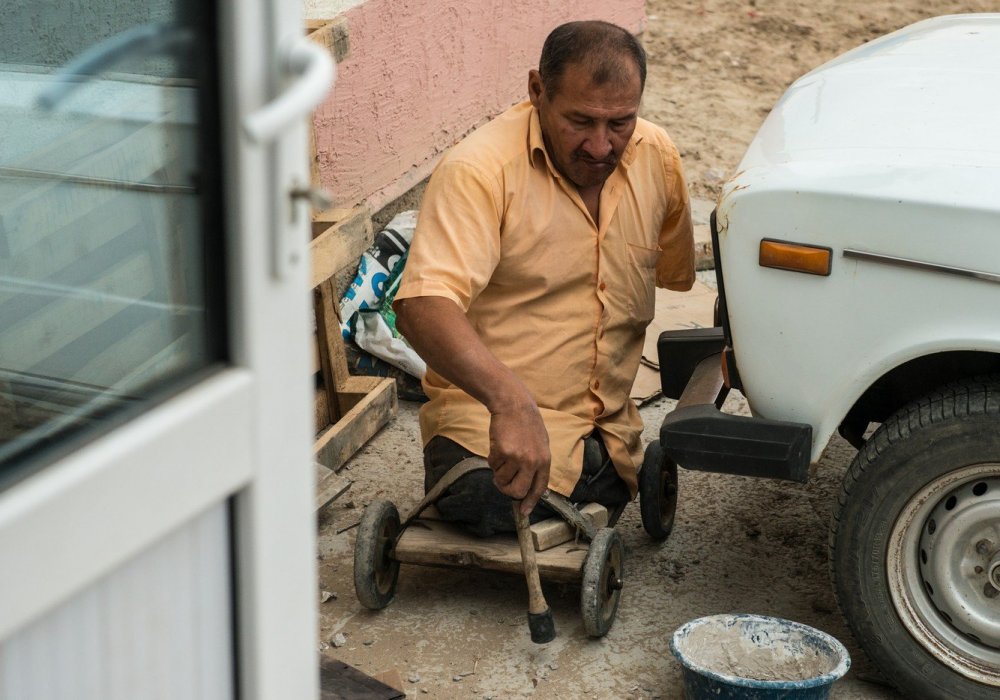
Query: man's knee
{"points": [[473, 500]]}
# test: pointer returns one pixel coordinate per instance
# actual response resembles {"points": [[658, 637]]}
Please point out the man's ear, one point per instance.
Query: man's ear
{"points": [[535, 88]]}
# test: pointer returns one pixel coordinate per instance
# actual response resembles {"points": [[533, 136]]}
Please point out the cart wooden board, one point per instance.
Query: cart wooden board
{"points": [[437, 543]]}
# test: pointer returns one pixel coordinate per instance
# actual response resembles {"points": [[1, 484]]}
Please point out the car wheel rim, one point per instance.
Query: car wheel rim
{"points": [[943, 565]]}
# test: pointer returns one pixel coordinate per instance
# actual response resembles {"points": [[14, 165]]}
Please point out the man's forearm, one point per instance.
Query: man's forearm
{"points": [[438, 330]]}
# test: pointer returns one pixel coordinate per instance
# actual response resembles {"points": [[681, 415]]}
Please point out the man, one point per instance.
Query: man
{"points": [[530, 283]]}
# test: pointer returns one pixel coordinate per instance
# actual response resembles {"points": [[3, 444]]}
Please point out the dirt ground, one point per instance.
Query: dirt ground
{"points": [[739, 545]]}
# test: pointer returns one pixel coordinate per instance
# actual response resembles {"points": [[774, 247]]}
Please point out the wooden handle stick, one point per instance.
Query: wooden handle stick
{"points": [[540, 622]]}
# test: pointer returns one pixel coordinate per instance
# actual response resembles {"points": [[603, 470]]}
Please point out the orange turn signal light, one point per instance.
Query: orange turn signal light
{"points": [[782, 255]]}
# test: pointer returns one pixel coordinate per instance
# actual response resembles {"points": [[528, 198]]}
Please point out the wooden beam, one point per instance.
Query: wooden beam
{"points": [[342, 439], [332, 357], [332, 35], [356, 388], [338, 681], [548, 533], [322, 220], [329, 486], [340, 237], [317, 366], [441, 544], [321, 410]]}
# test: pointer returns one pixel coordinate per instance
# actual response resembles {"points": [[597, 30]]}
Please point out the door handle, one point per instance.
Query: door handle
{"points": [[140, 41], [314, 71]]}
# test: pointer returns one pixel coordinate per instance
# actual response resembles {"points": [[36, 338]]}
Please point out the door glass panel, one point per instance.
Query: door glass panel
{"points": [[110, 229]]}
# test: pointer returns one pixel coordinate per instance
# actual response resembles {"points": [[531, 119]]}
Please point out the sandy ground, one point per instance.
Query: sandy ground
{"points": [[739, 545], [716, 68]]}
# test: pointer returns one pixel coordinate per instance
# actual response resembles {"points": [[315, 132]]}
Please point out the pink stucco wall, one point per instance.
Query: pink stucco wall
{"points": [[420, 74]]}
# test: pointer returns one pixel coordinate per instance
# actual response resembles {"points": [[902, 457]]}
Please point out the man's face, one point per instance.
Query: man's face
{"points": [[586, 126]]}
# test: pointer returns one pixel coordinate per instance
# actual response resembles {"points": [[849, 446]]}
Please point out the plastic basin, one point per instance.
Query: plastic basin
{"points": [[754, 657]]}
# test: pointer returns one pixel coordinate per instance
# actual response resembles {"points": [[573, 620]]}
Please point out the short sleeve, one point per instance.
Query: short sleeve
{"points": [[456, 246], [675, 268]]}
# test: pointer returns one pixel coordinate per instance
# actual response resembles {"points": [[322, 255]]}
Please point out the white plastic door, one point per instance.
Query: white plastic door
{"points": [[156, 528]]}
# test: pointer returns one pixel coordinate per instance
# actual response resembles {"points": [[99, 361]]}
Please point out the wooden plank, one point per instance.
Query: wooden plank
{"points": [[322, 220], [433, 543], [342, 439], [356, 388], [315, 176], [392, 678], [340, 243], [321, 412], [329, 486], [339, 681], [548, 533], [333, 360], [332, 35]]}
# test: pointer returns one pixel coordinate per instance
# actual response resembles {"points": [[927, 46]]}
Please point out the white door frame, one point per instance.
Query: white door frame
{"points": [[243, 433]]}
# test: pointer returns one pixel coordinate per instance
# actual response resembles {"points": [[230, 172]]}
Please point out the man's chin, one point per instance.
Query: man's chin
{"points": [[588, 178], [589, 174]]}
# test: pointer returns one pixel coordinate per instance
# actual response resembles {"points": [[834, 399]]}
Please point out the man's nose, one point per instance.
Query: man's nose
{"points": [[598, 144]]}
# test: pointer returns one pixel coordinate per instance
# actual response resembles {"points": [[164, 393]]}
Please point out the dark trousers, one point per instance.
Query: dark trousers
{"points": [[475, 502]]}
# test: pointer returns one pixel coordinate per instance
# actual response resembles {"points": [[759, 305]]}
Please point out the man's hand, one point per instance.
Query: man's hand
{"points": [[519, 453]]}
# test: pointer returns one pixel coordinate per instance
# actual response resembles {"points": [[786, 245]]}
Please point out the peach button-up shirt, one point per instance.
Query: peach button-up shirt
{"points": [[560, 299]]}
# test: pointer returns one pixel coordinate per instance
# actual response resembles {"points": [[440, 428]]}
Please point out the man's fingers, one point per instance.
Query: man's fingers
{"points": [[538, 487], [504, 474], [517, 487]]}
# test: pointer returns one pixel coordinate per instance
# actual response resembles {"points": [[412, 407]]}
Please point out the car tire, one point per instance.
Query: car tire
{"points": [[915, 544]]}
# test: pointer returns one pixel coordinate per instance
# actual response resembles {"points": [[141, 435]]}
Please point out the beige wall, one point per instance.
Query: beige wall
{"points": [[420, 74]]}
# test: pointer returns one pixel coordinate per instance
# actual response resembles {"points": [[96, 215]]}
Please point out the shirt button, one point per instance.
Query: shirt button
{"points": [[601, 334], [602, 286], [597, 384]]}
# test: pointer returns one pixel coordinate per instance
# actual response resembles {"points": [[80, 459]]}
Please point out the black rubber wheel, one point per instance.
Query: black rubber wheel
{"points": [[602, 582], [375, 571], [657, 492], [915, 544]]}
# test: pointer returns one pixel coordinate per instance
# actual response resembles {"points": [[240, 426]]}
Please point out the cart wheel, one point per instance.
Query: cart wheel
{"points": [[657, 492], [602, 582], [375, 571]]}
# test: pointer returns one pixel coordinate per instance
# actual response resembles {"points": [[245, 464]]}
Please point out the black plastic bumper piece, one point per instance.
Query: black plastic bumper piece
{"points": [[698, 436], [679, 352]]}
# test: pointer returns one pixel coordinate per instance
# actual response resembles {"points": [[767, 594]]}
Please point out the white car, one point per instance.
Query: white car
{"points": [[858, 262]]}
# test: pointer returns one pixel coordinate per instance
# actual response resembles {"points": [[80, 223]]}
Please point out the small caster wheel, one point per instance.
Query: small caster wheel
{"points": [[375, 571], [657, 492], [602, 582]]}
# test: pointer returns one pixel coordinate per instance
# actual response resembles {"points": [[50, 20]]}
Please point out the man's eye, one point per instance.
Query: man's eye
{"points": [[618, 125], [580, 122]]}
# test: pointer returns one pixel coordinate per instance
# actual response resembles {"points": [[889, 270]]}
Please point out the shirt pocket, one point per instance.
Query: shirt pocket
{"points": [[642, 281]]}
